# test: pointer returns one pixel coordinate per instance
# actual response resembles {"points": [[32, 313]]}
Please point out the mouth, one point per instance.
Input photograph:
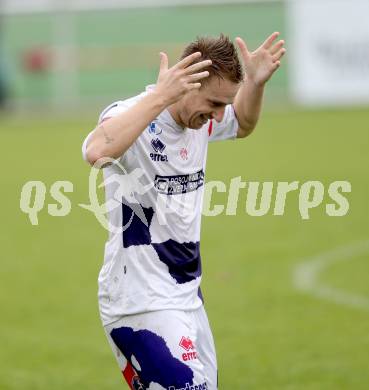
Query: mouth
{"points": [[197, 121], [202, 119]]}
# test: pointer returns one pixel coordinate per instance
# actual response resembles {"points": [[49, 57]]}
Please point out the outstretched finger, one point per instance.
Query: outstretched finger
{"points": [[277, 56], [269, 41], [198, 66], [275, 48], [187, 60], [243, 47], [197, 76], [163, 62]]}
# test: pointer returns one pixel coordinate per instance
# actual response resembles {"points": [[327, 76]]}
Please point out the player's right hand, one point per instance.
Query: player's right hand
{"points": [[181, 78]]}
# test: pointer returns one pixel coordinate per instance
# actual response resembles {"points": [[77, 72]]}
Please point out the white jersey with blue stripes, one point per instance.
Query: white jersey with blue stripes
{"points": [[154, 198]]}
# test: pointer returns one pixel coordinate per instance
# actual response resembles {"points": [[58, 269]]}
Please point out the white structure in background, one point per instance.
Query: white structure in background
{"points": [[328, 54], [24, 6], [65, 80]]}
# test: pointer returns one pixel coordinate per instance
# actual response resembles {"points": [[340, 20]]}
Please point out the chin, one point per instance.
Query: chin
{"points": [[195, 126], [198, 127]]}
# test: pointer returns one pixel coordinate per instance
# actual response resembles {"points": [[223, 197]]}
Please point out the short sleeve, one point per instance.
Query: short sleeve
{"points": [[109, 112], [112, 110], [84, 146], [226, 129]]}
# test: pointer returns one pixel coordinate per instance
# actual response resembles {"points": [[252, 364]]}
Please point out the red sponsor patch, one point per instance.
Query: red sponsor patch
{"points": [[186, 343]]}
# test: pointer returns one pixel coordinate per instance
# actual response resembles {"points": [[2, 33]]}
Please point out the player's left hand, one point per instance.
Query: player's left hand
{"points": [[264, 61]]}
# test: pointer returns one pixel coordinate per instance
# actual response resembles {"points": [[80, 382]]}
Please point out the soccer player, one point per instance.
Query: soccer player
{"points": [[149, 286]]}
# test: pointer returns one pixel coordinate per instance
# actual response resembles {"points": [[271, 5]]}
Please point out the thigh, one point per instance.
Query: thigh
{"points": [[158, 350]]}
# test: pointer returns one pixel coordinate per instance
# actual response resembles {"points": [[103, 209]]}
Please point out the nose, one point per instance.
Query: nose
{"points": [[218, 114]]}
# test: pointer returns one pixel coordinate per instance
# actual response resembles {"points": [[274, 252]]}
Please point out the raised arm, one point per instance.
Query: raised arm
{"points": [[113, 137], [259, 68]]}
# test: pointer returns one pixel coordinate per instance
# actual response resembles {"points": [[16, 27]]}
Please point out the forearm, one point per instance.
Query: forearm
{"points": [[113, 137], [247, 105]]}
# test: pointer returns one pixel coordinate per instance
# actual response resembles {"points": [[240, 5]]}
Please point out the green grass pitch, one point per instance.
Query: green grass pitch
{"points": [[268, 334]]}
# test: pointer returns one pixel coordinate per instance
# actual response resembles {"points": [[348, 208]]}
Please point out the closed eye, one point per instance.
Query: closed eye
{"points": [[217, 104]]}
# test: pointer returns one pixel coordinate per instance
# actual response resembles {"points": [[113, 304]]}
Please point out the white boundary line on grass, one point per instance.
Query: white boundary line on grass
{"points": [[305, 276]]}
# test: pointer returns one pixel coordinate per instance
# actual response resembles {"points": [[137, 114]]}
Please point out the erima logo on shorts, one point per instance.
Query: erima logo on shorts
{"points": [[187, 344], [202, 386]]}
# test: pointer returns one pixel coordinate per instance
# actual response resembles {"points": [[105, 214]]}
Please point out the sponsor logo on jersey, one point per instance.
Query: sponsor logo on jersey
{"points": [[202, 386], [184, 154], [154, 129], [179, 184], [158, 157], [159, 147]]}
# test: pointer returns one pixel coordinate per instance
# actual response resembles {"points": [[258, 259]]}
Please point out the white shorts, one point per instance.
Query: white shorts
{"points": [[167, 349]]}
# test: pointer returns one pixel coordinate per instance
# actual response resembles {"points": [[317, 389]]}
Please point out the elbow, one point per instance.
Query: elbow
{"points": [[95, 156], [245, 131], [92, 156], [100, 157]]}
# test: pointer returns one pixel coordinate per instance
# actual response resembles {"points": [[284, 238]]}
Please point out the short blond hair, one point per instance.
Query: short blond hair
{"points": [[223, 53]]}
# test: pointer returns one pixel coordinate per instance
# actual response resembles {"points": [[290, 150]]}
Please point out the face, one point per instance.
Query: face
{"points": [[209, 102]]}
